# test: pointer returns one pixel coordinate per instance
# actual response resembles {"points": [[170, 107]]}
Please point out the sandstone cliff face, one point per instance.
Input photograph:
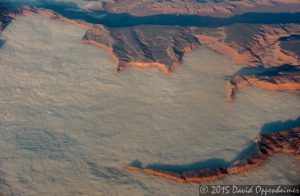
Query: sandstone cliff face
{"points": [[264, 146], [288, 82], [147, 46], [163, 47], [195, 7], [251, 45], [267, 144], [254, 46]]}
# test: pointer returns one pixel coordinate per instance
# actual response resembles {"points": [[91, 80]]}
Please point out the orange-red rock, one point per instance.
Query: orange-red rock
{"points": [[251, 45], [194, 7], [265, 145], [288, 82], [146, 46]]}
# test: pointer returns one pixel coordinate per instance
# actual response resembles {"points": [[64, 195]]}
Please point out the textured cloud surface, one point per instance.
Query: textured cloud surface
{"points": [[69, 125]]}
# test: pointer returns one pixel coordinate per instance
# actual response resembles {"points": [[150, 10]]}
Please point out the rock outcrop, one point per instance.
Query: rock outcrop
{"points": [[288, 81], [214, 8], [256, 46], [250, 44], [264, 146], [4, 18], [145, 46], [7, 15], [163, 47]]}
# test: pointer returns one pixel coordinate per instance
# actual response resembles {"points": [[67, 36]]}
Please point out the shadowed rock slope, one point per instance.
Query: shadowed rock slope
{"points": [[146, 46], [285, 78], [163, 47], [250, 44], [215, 8], [263, 146]]}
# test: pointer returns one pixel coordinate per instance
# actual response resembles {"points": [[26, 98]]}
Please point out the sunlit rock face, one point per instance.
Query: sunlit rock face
{"points": [[252, 44], [285, 78], [69, 125], [217, 8], [162, 40], [265, 145]]}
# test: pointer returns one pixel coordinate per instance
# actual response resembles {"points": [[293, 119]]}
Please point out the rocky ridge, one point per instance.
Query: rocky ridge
{"points": [[264, 146], [285, 81], [163, 47], [146, 46], [140, 46], [213, 8], [250, 44], [136, 46]]}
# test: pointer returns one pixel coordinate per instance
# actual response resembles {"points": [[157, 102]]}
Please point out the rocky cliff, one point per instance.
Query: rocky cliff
{"points": [[264, 146], [164, 47], [4, 18], [146, 46], [283, 81], [214, 8], [250, 44]]}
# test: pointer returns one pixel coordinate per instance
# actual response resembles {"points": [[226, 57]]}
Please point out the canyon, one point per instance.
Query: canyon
{"points": [[80, 103], [214, 8], [163, 47]]}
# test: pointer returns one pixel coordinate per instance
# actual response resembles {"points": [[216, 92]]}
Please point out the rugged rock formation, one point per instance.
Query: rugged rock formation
{"points": [[257, 45], [288, 81], [264, 146], [163, 47], [291, 44], [146, 46], [140, 46], [251, 45], [7, 15], [4, 18], [194, 7]]}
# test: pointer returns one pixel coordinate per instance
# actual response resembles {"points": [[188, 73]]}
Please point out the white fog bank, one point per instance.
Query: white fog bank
{"points": [[69, 126]]}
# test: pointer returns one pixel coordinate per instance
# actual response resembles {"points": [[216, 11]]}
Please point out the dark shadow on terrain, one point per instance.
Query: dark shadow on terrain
{"points": [[277, 126], [247, 151], [291, 43], [269, 128], [5, 20], [267, 71], [2, 42], [71, 10], [179, 169], [216, 163], [293, 37], [137, 163]]}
